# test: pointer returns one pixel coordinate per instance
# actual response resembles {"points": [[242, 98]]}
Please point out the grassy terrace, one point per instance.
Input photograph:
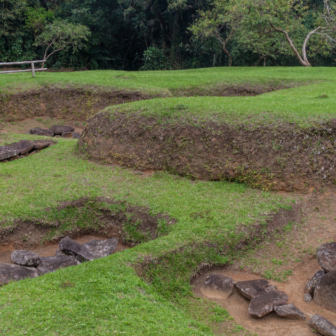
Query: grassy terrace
{"points": [[313, 101], [106, 296]]}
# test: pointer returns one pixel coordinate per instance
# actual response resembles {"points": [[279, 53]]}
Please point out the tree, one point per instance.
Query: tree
{"points": [[220, 22], [62, 35], [267, 17]]}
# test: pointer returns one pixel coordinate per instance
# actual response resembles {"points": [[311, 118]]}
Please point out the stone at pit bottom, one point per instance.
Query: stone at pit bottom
{"points": [[326, 256], [60, 129], [220, 282], [290, 311], [92, 250], [325, 291], [40, 131], [321, 325], [313, 282], [76, 135], [252, 288], [9, 272], [51, 264], [307, 298], [265, 303], [67, 135], [25, 258]]}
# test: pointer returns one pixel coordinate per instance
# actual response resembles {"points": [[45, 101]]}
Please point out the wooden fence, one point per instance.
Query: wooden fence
{"points": [[26, 62]]}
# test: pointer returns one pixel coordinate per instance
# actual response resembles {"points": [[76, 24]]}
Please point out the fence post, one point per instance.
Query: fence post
{"points": [[33, 68]]}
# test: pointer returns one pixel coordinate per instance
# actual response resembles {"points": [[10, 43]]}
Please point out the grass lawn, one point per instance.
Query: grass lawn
{"points": [[106, 296]]}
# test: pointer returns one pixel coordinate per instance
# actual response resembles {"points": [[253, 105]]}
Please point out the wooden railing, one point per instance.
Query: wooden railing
{"points": [[26, 62]]}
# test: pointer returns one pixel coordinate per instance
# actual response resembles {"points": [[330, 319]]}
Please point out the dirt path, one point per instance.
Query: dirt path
{"points": [[49, 249], [291, 251]]}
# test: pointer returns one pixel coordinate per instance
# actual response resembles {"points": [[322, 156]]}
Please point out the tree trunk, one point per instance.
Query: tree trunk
{"points": [[230, 58], [302, 61]]}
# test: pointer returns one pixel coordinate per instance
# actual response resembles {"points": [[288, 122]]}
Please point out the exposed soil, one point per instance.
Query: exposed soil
{"points": [[49, 249], [43, 122], [286, 158], [66, 103], [296, 250]]}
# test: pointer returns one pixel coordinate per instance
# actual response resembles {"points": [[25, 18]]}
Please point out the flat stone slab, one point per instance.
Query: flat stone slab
{"points": [[9, 272], [7, 152], [40, 144], [25, 258], [219, 282], [51, 264], [321, 325], [265, 303], [67, 135], [309, 289], [40, 131], [325, 291], [326, 256], [252, 288], [89, 251], [290, 312], [60, 129]]}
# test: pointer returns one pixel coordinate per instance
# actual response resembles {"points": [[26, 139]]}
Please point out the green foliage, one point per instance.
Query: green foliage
{"points": [[37, 18], [62, 35], [154, 59]]}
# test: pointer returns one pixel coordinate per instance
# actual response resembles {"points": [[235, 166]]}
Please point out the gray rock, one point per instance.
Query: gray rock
{"points": [[309, 289], [51, 264], [323, 326], [307, 298], [271, 288], [326, 256], [325, 291], [59, 129], [265, 303], [76, 135], [219, 282], [40, 131], [9, 272], [252, 288], [59, 252], [290, 311], [7, 152], [25, 258], [23, 146], [92, 250], [40, 144]]}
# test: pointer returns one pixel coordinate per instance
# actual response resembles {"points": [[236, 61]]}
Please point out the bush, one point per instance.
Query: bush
{"points": [[154, 59]]}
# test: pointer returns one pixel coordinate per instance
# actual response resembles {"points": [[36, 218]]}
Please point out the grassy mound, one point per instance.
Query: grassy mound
{"points": [[210, 221]]}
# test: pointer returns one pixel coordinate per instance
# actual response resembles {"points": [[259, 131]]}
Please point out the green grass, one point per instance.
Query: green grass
{"points": [[304, 105], [106, 297]]}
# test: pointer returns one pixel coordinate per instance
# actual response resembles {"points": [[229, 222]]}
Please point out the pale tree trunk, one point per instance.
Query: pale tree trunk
{"points": [[303, 60], [224, 45]]}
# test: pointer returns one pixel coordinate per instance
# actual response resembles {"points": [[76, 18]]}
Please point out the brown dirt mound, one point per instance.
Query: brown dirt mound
{"points": [[286, 158], [64, 103]]}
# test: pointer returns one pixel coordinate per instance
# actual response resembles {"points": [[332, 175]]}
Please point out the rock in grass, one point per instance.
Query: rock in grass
{"points": [[252, 288], [265, 303], [40, 144], [7, 152], [51, 264], [76, 135], [219, 282], [9, 272], [323, 326], [59, 129], [40, 131], [23, 146], [290, 312], [325, 291], [25, 258], [309, 289], [326, 256], [92, 250], [307, 298]]}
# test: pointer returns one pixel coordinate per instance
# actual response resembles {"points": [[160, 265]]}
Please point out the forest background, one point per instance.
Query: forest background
{"points": [[157, 34]]}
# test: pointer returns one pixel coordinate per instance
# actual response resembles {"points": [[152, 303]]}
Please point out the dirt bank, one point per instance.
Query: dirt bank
{"points": [[286, 158], [67, 103]]}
